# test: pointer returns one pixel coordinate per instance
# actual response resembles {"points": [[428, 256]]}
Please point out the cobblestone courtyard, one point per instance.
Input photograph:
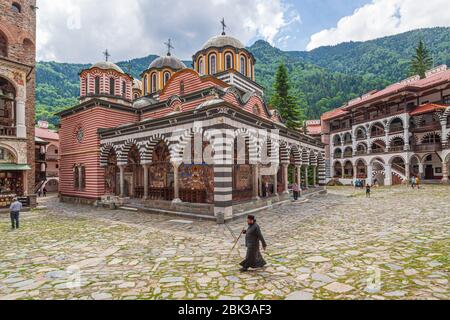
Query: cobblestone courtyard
{"points": [[338, 246]]}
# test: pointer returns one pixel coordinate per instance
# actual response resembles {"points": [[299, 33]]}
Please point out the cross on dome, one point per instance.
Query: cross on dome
{"points": [[224, 26], [169, 46], [107, 55]]}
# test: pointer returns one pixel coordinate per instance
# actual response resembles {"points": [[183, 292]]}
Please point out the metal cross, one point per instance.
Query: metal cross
{"points": [[169, 46], [106, 54], [224, 26]]}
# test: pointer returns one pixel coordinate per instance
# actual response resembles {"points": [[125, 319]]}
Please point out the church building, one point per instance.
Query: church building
{"points": [[198, 142]]}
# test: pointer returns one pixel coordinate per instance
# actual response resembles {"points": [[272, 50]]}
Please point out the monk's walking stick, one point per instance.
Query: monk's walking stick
{"points": [[235, 244]]}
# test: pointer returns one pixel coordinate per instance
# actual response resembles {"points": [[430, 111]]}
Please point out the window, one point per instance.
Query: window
{"points": [[182, 87], [3, 46], [124, 89], [112, 86], [256, 110], [82, 177], [97, 85], [228, 61], [16, 7], [76, 178], [145, 85], [243, 66], [2, 154], [154, 84], [166, 77], [201, 67], [212, 64]]}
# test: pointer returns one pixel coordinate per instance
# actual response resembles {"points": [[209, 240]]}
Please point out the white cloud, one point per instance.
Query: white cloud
{"points": [[79, 30], [383, 18]]}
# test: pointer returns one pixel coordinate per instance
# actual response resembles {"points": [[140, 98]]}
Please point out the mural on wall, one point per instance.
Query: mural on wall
{"points": [[111, 172], [161, 171], [6, 156]]}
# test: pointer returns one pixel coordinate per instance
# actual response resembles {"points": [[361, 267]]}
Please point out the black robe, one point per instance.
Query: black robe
{"points": [[253, 237]]}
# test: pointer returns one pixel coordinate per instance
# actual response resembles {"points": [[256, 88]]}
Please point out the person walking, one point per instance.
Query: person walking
{"points": [[44, 192], [413, 182], [267, 189], [296, 190], [368, 191], [418, 182], [14, 209], [253, 237]]}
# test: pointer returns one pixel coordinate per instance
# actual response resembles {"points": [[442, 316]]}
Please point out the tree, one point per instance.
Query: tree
{"points": [[284, 101], [421, 60]]}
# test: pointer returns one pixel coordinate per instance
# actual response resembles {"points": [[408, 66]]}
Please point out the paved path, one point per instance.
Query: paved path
{"points": [[338, 246]]}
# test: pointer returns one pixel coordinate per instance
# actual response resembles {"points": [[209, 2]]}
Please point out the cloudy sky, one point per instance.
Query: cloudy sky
{"points": [[80, 30]]}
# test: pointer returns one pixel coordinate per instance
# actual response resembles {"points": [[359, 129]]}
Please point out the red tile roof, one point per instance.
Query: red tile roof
{"points": [[333, 114], [46, 134], [315, 129], [427, 108]]}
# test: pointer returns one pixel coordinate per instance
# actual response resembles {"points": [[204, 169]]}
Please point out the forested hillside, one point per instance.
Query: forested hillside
{"points": [[323, 79]]}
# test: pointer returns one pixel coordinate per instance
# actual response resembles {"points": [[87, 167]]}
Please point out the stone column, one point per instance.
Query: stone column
{"points": [[421, 174], [20, 120], [176, 183], [255, 182], [388, 170], [355, 172], [299, 176], [314, 176], [306, 177], [406, 138], [369, 175], [444, 172], [275, 182], [285, 178], [407, 172], [146, 167], [122, 180]]}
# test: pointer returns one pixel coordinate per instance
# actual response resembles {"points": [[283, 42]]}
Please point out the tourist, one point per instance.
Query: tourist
{"points": [[413, 182], [418, 183], [296, 190], [253, 237], [14, 209], [368, 190], [44, 192], [266, 189]]}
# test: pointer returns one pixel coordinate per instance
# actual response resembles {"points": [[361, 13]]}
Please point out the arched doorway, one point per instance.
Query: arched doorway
{"points": [[338, 170], [134, 175], [161, 174], [432, 167], [378, 172], [361, 169], [348, 170], [398, 168]]}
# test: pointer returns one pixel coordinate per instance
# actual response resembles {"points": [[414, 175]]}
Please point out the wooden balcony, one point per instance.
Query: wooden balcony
{"points": [[428, 147], [427, 127]]}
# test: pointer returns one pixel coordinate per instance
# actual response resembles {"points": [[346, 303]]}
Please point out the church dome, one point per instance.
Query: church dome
{"points": [[107, 65], [223, 41], [167, 62], [137, 84]]}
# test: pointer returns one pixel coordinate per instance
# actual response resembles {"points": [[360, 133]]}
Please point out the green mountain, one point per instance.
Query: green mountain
{"points": [[323, 78]]}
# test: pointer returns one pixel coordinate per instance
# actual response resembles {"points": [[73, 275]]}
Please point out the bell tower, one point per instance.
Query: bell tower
{"points": [[17, 84]]}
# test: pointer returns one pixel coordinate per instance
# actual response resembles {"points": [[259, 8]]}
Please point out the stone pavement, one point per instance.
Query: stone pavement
{"points": [[338, 246]]}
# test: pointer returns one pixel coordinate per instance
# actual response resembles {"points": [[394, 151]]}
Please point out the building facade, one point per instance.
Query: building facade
{"points": [[47, 159], [17, 101], [189, 142], [388, 136]]}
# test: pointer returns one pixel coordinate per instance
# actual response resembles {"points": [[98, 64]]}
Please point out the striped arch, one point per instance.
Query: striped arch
{"points": [[321, 168], [147, 147], [382, 139], [390, 120], [122, 156], [295, 151], [271, 146], [177, 153], [312, 158], [284, 152], [397, 136], [252, 141], [105, 150], [434, 133], [305, 157]]}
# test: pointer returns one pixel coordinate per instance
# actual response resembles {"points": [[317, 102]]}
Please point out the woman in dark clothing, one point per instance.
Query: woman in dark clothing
{"points": [[253, 237]]}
